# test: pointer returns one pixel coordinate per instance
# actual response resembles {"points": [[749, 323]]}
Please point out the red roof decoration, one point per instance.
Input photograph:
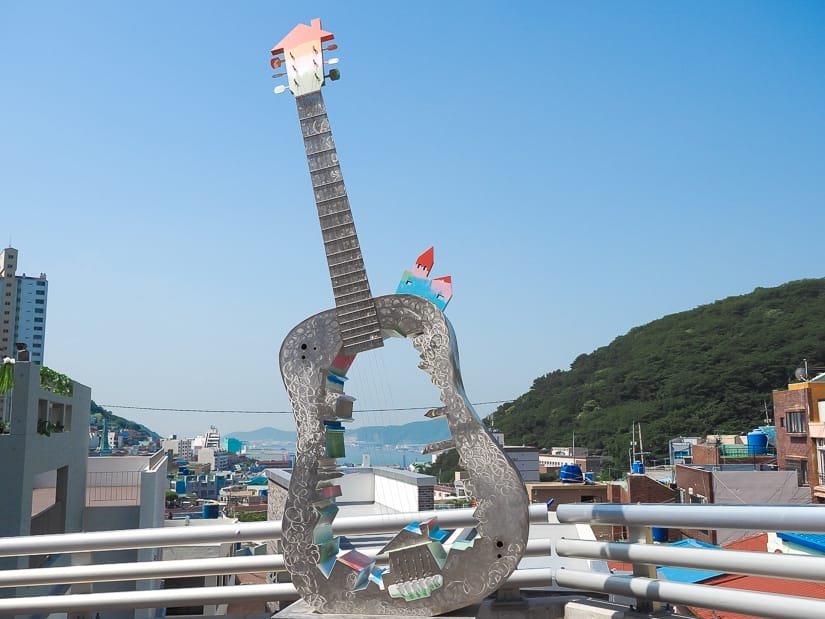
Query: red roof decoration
{"points": [[448, 279], [427, 259], [302, 34]]}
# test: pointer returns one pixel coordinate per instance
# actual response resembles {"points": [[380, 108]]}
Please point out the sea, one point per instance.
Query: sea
{"points": [[400, 456]]}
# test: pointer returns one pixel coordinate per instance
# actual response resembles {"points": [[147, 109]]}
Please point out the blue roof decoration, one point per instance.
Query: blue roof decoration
{"points": [[681, 574], [813, 541]]}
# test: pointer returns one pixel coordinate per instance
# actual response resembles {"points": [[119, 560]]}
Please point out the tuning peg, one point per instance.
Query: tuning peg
{"points": [[334, 75], [275, 63], [330, 48], [332, 61], [279, 89]]}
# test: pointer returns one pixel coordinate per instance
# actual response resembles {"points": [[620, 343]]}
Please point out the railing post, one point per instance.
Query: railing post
{"points": [[642, 535], [81, 558]]}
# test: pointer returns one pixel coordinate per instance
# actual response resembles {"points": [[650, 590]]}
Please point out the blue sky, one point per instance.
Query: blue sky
{"points": [[580, 168]]}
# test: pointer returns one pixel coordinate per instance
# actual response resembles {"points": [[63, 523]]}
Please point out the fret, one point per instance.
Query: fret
{"points": [[356, 324], [350, 316], [354, 305], [334, 226], [333, 207], [315, 125], [326, 176], [334, 265], [323, 159], [353, 277], [355, 269], [353, 346], [342, 246], [352, 295], [335, 190], [318, 143], [331, 221]]}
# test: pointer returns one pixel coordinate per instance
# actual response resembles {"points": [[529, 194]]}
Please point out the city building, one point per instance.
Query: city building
{"points": [[799, 417], [735, 484], [43, 459], [23, 315]]}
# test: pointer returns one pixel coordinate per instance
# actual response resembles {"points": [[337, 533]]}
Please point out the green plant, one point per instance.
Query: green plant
{"points": [[47, 427], [6, 376], [5, 427], [55, 382], [43, 427], [251, 516]]}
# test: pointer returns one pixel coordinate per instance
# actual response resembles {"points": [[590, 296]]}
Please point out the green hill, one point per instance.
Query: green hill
{"points": [[114, 421], [704, 371]]}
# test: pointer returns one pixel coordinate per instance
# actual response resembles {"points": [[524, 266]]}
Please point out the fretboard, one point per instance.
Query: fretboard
{"points": [[354, 306]]}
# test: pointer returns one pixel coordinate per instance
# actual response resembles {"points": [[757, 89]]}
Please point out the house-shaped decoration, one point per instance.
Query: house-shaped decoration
{"points": [[417, 281]]}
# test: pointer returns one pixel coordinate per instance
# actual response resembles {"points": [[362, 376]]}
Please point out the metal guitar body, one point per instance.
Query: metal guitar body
{"points": [[468, 575]]}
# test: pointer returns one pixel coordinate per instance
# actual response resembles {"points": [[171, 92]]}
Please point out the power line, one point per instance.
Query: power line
{"points": [[288, 412]]}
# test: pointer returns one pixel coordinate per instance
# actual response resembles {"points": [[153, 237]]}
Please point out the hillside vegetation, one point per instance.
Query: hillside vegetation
{"points": [[704, 371], [100, 413]]}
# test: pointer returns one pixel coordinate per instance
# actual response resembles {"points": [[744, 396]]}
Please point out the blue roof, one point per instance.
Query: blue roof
{"points": [[814, 541], [681, 574]]}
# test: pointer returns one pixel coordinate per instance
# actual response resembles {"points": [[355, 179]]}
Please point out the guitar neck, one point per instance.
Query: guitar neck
{"points": [[354, 305]]}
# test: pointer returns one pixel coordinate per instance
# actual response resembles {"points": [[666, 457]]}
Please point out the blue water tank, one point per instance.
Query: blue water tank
{"points": [[180, 486], [590, 477], [571, 474], [757, 442], [638, 468], [659, 534], [210, 510]]}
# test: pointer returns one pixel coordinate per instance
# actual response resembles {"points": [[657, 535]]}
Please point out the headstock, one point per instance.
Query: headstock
{"points": [[302, 53]]}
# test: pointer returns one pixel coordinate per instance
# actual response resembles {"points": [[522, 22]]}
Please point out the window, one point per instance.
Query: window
{"points": [[795, 422], [40, 293], [39, 301], [38, 320], [37, 337], [37, 345], [38, 310], [41, 283], [801, 468], [38, 328]]}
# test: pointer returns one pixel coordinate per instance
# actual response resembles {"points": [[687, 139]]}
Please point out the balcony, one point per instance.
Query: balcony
{"points": [[565, 588]]}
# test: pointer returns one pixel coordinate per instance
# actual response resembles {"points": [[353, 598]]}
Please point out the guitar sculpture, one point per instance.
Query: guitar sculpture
{"points": [[419, 574]]}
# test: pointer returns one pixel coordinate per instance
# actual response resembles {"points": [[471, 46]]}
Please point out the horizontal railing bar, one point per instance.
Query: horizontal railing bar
{"points": [[160, 598], [238, 532], [805, 518], [155, 598], [794, 567], [768, 605], [111, 572], [179, 568]]}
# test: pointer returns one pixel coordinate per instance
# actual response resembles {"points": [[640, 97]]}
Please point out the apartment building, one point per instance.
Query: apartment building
{"points": [[799, 416], [23, 310]]}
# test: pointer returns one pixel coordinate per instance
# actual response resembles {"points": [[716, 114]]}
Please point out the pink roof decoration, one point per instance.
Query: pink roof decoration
{"points": [[301, 34], [444, 286]]}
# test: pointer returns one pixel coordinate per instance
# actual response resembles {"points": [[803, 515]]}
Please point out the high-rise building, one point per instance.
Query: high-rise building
{"points": [[23, 313]]}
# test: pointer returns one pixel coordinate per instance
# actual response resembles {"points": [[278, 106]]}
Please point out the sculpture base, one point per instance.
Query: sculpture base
{"points": [[302, 610]]}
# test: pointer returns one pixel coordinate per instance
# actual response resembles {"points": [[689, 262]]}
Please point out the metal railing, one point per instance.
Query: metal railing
{"points": [[112, 488], [807, 518]]}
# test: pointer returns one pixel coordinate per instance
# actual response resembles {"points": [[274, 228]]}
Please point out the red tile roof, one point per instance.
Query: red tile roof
{"points": [[755, 543], [759, 583]]}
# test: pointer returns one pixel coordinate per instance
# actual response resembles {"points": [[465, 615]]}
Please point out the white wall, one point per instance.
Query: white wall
{"points": [[401, 496]]}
